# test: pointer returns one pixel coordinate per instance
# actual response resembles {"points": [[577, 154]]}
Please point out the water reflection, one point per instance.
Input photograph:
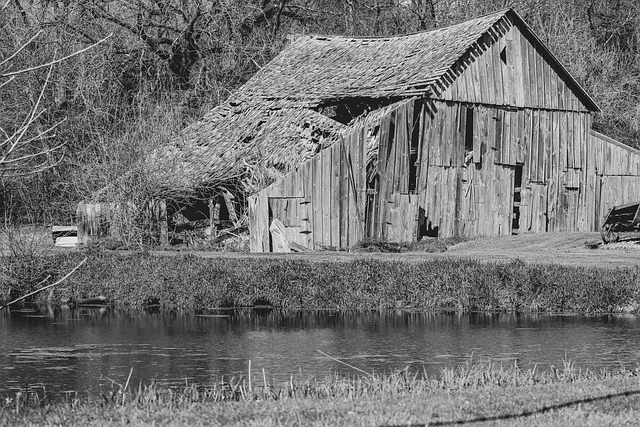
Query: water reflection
{"points": [[85, 349]]}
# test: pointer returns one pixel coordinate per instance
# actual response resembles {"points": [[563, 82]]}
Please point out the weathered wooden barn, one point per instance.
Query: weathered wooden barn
{"points": [[471, 130]]}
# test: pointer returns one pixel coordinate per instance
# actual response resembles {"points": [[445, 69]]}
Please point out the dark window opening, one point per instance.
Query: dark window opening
{"points": [[468, 132], [517, 183], [392, 136], [503, 55], [414, 156], [517, 198], [346, 110]]}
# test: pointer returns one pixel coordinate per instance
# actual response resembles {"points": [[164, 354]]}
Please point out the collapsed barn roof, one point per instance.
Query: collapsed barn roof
{"points": [[279, 118], [247, 144]]}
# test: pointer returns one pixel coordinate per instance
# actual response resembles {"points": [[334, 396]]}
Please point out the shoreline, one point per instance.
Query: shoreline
{"points": [[528, 273], [189, 281]]}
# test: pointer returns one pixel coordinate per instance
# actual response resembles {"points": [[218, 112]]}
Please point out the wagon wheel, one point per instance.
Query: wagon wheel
{"points": [[609, 234]]}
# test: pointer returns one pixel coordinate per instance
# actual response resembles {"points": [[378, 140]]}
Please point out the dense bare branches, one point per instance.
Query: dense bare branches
{"points": [[24, 149]]}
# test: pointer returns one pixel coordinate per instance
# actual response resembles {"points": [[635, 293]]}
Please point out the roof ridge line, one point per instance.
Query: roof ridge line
{"points": [[295, 36]]}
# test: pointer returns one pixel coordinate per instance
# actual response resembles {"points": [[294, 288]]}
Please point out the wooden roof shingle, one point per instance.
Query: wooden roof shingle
{"points": [[315, 69]]}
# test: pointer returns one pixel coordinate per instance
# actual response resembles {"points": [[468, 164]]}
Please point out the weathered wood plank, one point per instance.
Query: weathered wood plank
{"points": [[404, 160], [343, 176], [533, 77], [519, 65], [554, 181], [547, 83], [546, 126], [562, 88], [540, 83], [262, 225], [460, 135], [388, 179], [479, 132], [352, 188], [520, 137], [553, 89], [571, 162], [510, 143], [527, 131], [446, 136], [507, 76], [307, 183], [475, 75], [535, 147], [481, 66], [327, 209], [318, 184], [427, 119], [383, 154], [497, 71], [498, 141], [578, 135], [526, 79], [255, 245]]}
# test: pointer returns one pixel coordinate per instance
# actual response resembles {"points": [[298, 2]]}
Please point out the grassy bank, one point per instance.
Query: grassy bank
{"points": [[193, 282], [468, 393]]}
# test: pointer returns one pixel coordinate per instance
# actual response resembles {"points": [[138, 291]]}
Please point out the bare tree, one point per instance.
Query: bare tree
{"points": [[24, 149]]}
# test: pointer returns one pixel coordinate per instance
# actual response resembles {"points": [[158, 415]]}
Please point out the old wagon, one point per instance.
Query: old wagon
{"points": [[620, 219]]}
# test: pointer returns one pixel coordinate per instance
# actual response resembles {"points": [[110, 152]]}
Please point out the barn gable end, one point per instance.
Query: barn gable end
{"points": [[509, 66]]}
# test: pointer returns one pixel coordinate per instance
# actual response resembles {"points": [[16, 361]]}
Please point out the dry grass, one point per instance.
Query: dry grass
{"points": [[472, 392]]}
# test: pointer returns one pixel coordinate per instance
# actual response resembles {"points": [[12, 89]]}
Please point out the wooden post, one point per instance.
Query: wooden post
{"points": [[81, 222], [216, 213], [212, 215], [163, 222], [228, 200]]}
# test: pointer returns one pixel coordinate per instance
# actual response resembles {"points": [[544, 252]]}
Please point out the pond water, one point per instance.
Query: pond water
{"points": [[59, 350]]}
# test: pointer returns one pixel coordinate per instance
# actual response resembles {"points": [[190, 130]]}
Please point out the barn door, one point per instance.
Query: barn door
{"points": [[289, 224], [401, 218]]}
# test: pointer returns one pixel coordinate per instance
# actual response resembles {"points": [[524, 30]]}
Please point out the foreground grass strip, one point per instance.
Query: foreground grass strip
{"points": [[192, 282], [468, 394], [519, 415]]}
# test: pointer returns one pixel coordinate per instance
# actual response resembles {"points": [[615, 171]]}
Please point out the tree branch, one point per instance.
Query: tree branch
{"points": [[46, 287], [54, 62]]}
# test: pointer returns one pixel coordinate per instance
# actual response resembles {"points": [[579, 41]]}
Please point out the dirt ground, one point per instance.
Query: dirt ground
{"points": [[580, 249], [577, 249]]}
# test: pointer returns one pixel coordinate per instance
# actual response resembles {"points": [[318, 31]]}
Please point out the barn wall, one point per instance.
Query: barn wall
{"points": [[320, 204], [466, 183], [455, 170], [505, 68], [616, 176], [474, 155]]}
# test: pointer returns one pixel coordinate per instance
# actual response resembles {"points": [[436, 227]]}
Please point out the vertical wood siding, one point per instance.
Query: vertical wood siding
{"points": [[526, 79], [616, 177], [318, 203], [466, 177]]}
